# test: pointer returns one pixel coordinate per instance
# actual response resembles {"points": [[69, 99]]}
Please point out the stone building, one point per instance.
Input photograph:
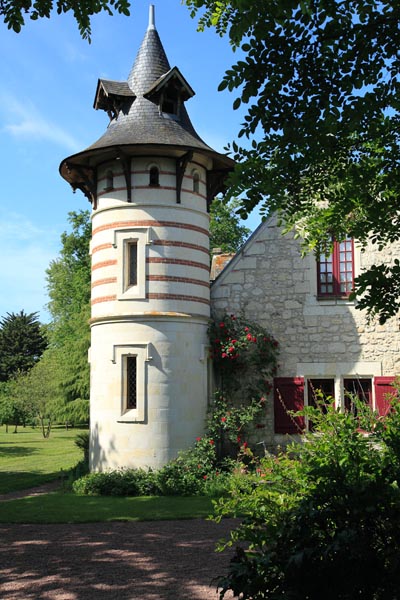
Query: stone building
{"points": [[325, 342], [150, 180]]}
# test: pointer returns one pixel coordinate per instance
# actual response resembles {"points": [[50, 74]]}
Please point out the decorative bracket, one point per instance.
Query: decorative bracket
{"points": [[126, 167], [215, 184], [181, 164], [84, 179]]}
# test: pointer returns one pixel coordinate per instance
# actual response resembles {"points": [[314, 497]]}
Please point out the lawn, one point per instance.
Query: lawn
{"points": [[27, 459], [69, 508]]}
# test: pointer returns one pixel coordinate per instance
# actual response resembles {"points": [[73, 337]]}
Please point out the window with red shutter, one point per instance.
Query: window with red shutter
{"points": [[288, 396], [336, 271], [383, 390]]}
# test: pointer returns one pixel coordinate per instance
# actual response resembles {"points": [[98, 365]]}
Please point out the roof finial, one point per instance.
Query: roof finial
{"points": [[152, 24]]}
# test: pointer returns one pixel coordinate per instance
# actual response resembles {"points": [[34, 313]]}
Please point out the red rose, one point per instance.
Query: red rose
{"points": [[212, 442], [223, 419], [249, 337], [198, 439]]}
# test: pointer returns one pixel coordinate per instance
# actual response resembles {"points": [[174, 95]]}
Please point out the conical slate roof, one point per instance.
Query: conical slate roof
{"points": [[137, 115]]}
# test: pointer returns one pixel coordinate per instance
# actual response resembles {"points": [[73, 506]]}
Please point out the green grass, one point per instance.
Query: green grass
{"points": [[69, 508], [28, 460]]}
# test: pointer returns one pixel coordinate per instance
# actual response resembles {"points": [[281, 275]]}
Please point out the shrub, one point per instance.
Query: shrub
{"points": [[323, 519], [123, 482]]}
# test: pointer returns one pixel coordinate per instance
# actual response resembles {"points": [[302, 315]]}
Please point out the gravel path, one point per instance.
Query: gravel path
{"points": [[164, 560]]}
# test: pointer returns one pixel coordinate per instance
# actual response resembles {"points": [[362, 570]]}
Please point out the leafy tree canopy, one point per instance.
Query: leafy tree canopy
{"points": [[15, 13], [68, 284], [22, 343], [226, 231], [320, 82]]}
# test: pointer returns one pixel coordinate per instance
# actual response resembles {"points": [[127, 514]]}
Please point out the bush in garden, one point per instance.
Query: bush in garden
{"points": [[121, 482], [322, 520]]}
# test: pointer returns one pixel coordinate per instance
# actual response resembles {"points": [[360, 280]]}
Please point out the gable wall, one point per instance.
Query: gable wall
{"points": [[272, 284]]}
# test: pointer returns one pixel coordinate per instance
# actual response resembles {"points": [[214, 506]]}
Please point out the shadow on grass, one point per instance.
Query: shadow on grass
{"points": [[16, 451], [13, 481]]}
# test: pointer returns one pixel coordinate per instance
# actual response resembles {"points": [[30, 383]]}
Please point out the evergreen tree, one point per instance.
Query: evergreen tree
{"points": [[22, 343]]}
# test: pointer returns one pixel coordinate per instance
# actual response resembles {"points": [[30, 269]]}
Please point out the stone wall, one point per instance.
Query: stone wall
{"points": [[272, 284]]}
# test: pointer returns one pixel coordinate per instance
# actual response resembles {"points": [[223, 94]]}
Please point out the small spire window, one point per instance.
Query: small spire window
{"points": [[196, 182], [109, 182], [154, 177]]}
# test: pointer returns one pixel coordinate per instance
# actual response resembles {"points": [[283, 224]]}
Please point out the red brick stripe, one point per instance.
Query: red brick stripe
{"points": [[150, 223], [181, 245], [177, 279], [101, 247], [105, 263], [182, 297], [178, 261], [104, 281], [103, 299]]}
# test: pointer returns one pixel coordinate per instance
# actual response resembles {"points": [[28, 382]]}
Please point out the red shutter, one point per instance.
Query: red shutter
{"points": [[288, 395], [383, 388]]}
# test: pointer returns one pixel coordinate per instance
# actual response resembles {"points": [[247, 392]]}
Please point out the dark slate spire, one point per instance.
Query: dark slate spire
{"points": [[146, 110], [151, 61]]}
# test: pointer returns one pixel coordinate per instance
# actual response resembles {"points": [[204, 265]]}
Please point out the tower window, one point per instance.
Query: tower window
{"points": [[196, 182], [154, 177], [132, 264], [131, 382], [109, 183]]}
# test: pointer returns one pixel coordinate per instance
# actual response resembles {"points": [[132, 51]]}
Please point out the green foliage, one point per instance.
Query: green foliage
{"points": [[320, 82], [226, 232], [244, 354], [68, 283], [15, 13], [123, 482], [322, 520], [194, 472], [82, 442], [22, 343]]}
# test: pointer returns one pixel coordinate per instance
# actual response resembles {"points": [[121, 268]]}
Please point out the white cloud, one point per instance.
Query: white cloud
{"points": [[23, 120]]}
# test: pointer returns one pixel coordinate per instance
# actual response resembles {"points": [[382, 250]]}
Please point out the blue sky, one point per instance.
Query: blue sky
{"points": [[49, 77]]}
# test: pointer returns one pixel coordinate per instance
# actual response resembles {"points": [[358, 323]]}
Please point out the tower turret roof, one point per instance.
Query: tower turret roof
{"points": [[147, 110]]}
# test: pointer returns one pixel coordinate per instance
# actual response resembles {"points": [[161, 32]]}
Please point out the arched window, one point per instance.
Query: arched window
{"points": [[109, 184], [196, 182], [154, 177]]}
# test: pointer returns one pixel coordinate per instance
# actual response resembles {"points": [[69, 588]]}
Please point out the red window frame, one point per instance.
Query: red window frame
{"points": [[335, 273]]}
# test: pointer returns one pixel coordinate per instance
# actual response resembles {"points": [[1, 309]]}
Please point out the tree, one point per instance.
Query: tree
{"points": [[14, 13], [22, 343], [226, 231], [39, 391], [320, 80], [68, 284]]}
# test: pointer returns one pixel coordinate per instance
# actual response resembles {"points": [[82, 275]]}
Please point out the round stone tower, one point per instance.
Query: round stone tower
{"points": [[150, 179]]}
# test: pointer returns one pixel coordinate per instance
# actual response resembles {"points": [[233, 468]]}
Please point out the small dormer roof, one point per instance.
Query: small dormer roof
{"points": [[109, 91], [172, 80]]}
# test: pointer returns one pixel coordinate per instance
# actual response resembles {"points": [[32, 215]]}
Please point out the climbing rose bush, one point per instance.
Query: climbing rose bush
{"points": [[244, 355]]}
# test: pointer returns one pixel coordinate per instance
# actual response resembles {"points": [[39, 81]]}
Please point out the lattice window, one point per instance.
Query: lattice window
{"points": [[131, 382], [132, 264]]}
